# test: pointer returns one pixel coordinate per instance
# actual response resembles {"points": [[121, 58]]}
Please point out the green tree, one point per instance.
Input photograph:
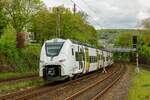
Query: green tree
{"points": [[8, 39], [71, 26], [124, 40], [21, 12], [146, 23], [2, 19]]}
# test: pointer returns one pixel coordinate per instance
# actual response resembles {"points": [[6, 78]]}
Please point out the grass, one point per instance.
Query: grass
{"points": [[7, 75], [19, 85], [140, 89]]}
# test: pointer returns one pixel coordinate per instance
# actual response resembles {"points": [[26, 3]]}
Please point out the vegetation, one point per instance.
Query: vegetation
{"points": [[2, 19], [19, 85], [146, 23], [143, 45], [140, 88], [24, 60], [8, 75], [20, 12], [71, 26]]}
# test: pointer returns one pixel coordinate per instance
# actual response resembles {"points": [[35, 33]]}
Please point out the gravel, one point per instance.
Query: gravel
{"points": [[120, 90]]}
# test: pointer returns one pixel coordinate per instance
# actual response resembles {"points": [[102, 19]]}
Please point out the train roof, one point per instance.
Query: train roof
{"points": [[76, 42], [81, 43]]}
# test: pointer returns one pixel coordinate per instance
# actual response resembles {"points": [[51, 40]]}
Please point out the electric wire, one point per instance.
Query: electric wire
{"points": [[86, 13]]}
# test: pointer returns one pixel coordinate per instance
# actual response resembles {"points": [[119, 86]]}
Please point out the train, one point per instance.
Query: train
{"points": [[61, 59]]}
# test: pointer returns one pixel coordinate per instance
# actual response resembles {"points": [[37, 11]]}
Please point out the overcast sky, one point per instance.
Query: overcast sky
{"points": [[109, 13]]}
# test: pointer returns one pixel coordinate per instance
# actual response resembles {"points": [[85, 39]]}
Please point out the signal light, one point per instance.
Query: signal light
{"points": [[134, 41]]}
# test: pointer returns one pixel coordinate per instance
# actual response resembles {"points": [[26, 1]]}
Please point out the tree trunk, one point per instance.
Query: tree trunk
{"points": [[20, 40]]}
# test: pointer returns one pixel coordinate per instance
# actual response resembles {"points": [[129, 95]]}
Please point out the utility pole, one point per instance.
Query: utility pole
{"points": [[74, 8], [57, 22]]}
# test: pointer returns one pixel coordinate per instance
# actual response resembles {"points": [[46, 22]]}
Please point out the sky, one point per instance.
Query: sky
{"points": [[109, 13]]}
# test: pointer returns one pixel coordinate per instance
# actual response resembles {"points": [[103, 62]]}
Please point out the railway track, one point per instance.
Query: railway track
{"points": [[18, 78], [97, 89], [35, 91], [40, 92]]}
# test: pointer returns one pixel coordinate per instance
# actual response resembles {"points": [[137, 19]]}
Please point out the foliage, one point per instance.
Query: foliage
{"points": [[146, 23], [22, 60], [8, 40], [143, 44], [71, 26], [124, 40], [2, 20], [20, 12], [20, 85], [9, 75], [29, 59]]}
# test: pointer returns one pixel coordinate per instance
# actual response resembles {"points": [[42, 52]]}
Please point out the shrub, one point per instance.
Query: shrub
{"points": [[20, 60]]}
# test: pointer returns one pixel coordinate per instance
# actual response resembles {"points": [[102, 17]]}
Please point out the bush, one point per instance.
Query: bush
{"points": [[20, 60]]}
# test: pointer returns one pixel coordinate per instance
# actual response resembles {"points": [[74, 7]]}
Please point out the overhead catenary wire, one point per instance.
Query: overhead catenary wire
{"points": [[86, 13], [93, 11]]}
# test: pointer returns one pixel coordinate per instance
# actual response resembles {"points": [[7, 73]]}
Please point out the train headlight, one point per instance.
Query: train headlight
{"points": [[42, 63], [62, 60]]}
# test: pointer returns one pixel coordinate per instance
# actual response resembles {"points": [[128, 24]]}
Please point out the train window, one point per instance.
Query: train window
{"points": [[53, 48], [72, 51], [90, 59], [93, 59], [79, 56], [96, 58]]}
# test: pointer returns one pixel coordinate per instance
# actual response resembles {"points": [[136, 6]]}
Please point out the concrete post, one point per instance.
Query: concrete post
{"points": [[137, 63]]}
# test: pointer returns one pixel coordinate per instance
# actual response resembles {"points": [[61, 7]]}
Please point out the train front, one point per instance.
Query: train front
{"points": [[52, 60]]}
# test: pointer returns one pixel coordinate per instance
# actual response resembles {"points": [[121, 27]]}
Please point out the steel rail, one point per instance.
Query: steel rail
{"points": [[80, 93]]}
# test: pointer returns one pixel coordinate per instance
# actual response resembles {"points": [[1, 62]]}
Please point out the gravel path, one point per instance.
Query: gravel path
{"points": [[120, 90]]}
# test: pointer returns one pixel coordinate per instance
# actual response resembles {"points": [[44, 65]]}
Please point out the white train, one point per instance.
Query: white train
{"points": [[61, 59]]}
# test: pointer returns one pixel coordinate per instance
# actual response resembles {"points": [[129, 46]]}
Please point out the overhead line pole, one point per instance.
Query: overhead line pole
{"points": [[58, 22], [74, 8]]}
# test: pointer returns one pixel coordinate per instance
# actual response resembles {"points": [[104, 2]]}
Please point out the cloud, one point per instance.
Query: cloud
{"points": [[110, 13]]}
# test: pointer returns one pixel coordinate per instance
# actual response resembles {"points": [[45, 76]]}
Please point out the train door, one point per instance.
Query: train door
{"points": [[87, 64], [98, 59], [81, 58], [78, 60], [73, 57], [104, 61], [82, 62], [84, 59]]}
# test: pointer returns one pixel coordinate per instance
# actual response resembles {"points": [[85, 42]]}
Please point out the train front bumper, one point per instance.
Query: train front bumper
{"points": [[53, 73], [56, 78]]}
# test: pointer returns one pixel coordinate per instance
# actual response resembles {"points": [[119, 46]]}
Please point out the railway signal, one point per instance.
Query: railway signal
{"points": [[134, 44], [134, 39]]}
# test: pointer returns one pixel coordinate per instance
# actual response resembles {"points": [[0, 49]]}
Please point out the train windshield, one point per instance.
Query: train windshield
{"points": [[53, 49]]}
